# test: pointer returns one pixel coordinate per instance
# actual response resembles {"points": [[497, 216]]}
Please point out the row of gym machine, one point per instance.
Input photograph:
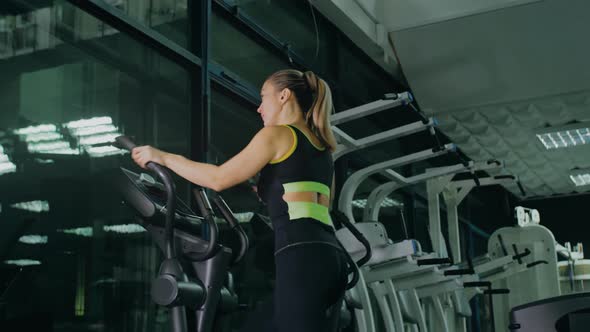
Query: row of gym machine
{"points": [[396, 286], [403, 288]]}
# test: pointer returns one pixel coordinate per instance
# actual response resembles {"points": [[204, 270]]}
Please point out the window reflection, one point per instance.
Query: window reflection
{"points": [[69, 84]]}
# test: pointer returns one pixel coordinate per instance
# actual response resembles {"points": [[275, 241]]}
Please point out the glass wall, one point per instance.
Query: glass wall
{"points": [[73, 257], [168, 17]]}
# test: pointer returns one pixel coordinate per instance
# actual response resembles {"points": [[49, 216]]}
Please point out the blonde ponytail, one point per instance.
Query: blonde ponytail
{"points": [[315, 99], [318, 117]]}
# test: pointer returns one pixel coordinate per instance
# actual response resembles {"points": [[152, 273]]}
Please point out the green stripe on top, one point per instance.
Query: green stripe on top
{"points": [[298, 210], [303, 186]]}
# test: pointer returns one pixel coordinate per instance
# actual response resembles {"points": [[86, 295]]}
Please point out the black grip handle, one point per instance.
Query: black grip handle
{"points": [[124, 142], [207, 213], [203, 203], [459, 272], [343, 219], [537, 263], [433, 261], [227, 213], [519, 256], [352, 266], [497, 291], [235, 226], [477, 284], [507, 176]]}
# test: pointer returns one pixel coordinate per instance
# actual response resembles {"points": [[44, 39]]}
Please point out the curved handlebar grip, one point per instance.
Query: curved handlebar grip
{"points": [[235, 225], [203, 203], [343, 219], [207, 213], [124, 142], [225, 211]]}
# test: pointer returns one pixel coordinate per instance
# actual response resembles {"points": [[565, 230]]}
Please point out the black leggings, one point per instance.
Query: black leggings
{"points": [[309, 279]]}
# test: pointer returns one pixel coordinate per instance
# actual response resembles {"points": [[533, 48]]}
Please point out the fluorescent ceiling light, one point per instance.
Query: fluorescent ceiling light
{"points": [[125, 229], [101, 151], [7, 167], [92, 122], [22, 262], [86, 131], [98, 139], [44, 161], [68, 151], [564, 137], [81, 231], [359, 203], [33, 206], [52, 147], [45, 139], [36, 129], [244, 216], [580, 177], [39, 137], [387, 202], [121, 229], [33, 239], [48, 146]]}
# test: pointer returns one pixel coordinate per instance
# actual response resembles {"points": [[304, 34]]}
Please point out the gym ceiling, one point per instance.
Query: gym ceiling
{"points": [[499, 76]]}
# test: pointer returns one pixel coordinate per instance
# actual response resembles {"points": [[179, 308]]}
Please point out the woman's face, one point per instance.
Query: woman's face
{"points": [[271, 105]]}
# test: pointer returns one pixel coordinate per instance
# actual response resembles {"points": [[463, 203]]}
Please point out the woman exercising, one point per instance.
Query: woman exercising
{"points": [[293, 154]]}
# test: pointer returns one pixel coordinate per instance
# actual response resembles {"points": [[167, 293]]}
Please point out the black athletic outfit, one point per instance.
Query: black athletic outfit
{"points": [[310, 264]]}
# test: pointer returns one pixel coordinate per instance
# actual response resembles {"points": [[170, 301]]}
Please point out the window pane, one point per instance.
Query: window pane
{"points": [[169, 17], [292, 22], [241, 54], [241, 120], [88, 265]]}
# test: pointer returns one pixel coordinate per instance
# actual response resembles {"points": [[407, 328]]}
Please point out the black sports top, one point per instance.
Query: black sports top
{"points": [[304, 168]]}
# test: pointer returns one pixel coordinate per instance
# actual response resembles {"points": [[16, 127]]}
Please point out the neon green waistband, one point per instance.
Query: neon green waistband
{"points": [[298, 210], [302, 186]]}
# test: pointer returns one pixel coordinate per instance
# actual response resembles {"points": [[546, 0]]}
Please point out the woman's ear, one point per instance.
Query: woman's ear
{"points": [[285, 94]]}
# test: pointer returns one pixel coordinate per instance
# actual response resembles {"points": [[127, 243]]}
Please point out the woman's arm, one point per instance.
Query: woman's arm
{"points": [[263, 148]]}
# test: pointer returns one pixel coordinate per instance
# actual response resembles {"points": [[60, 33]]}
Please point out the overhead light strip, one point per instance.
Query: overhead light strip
{"points": [[564, 138]]}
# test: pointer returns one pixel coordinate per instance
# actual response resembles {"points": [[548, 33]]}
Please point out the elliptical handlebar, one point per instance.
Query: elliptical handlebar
{"points": [[235, 226], [341, 217], [207, 214], [124, 142]]}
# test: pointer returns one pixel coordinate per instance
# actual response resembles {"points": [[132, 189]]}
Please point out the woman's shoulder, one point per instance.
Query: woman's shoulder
{"points": [[277, 135], [276, 131]]}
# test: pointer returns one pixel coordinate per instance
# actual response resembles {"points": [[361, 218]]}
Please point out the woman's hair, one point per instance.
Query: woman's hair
{"points": [[315, 99]]}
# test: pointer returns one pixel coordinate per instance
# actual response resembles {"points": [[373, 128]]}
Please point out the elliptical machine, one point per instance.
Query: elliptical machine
{"points": [[173, 226]]}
